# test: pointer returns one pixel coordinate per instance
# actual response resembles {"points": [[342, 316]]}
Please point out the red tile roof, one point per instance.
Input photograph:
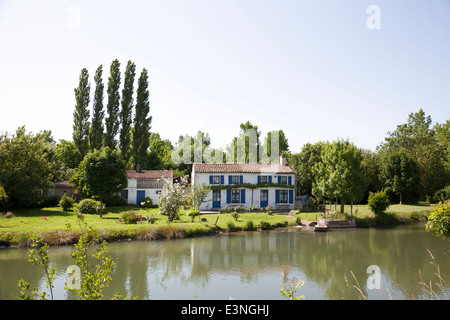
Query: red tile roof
{"points": [[149, 174], [242, 168]]}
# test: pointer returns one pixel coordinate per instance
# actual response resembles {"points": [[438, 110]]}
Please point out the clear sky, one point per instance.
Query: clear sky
{"points": [[312, 68]]}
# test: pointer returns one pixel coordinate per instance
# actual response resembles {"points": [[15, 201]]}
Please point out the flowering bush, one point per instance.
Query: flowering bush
{"points": [[9, 214], [269, 209], [130, 217]]}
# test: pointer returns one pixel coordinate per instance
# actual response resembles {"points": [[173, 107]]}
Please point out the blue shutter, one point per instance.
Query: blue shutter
{"points": [[270, 179], [277, 196], [291, 196], [222, 179], [210, 179], [259, 179], [228, 195], [243, 196], [289, 180], [230, 179], [279, 179], [241, 179]]}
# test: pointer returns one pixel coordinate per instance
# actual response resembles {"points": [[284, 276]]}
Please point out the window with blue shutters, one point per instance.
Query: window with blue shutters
{"points": [[289, 180], [235, 195], [291, 196], [277, 196], [228, 195], [242, 195]]}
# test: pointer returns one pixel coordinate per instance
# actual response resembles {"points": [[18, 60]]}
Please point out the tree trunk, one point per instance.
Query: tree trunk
{"points": [[351, 209], [101, 208], [342, 207]]}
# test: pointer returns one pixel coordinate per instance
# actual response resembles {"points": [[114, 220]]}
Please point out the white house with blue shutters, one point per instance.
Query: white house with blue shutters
{"points": [[247, 184]]}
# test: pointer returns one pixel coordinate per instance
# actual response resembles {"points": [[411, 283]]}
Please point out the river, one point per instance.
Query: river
{"points": [[251, 265]]}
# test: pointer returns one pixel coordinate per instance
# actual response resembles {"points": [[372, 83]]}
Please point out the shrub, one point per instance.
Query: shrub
{"points": [[249, 225], [130, 217], [239, 209], [378, 202], [269, 209], [8, 215], [89, 206], [193, 213], [439, 219], [230, 226], [265, 225], [298, 221], [147, 202], [151, 219], [66, 203], [235, 215]]}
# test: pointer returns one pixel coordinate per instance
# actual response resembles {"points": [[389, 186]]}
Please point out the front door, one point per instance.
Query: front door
{"points": [[216, 198], [264, 198], [139, 196]]}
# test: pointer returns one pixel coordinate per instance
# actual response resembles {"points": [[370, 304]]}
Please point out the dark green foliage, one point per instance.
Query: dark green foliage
{"points": [[97, 128], [378, 202], [81, 115], [125, 114], [101, 174], [442, 194], [142, 120], [112, 107], [25, 170]]}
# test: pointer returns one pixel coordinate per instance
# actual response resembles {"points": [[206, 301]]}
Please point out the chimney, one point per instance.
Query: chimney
{"points": [[283, 160], [138, 168]]}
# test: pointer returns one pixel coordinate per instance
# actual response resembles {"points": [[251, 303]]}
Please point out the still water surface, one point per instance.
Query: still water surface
{"points": [[252, 265]]}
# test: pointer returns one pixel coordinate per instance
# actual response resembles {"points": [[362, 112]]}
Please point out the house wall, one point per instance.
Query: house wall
{"points": [[132, 192], [252, 196]]}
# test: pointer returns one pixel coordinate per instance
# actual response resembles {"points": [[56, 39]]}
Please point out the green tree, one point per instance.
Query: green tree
{"points": [[81, 124], [127, 108], [112, 107], [101, 174], [97, 128], [400, 173], [304, 162], [371, 166], [420, 141], [25, 171], [142, 120], [339, 174], [246, 146], [283, 145]]}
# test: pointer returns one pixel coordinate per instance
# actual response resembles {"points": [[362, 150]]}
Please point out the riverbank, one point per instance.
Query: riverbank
{"points": [[58, 227]]}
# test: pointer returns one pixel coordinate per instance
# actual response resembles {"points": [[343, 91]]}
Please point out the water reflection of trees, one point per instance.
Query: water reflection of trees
{"points": [[322, 258]]}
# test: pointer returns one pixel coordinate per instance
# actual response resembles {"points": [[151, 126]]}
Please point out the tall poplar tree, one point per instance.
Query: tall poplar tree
{"points": [[97, 128], [81, 125], [125, 114], [142, 120], [112, 108]]}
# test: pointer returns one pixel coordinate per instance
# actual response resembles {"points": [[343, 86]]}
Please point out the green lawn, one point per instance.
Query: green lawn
{"points": [[55, 223]]}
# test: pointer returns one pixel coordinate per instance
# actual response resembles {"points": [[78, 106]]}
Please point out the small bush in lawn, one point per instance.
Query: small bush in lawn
{"points": [[230, 226], [66, 203], [235, 215], [151, 219], [89, 206], [378, 202], [147, 202]]}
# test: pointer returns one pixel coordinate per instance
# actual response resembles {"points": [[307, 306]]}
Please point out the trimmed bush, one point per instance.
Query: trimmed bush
{"points": [[147, 202], [66, 203], [130, 217], [442, 194], [378, 202], [89, 206]]}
